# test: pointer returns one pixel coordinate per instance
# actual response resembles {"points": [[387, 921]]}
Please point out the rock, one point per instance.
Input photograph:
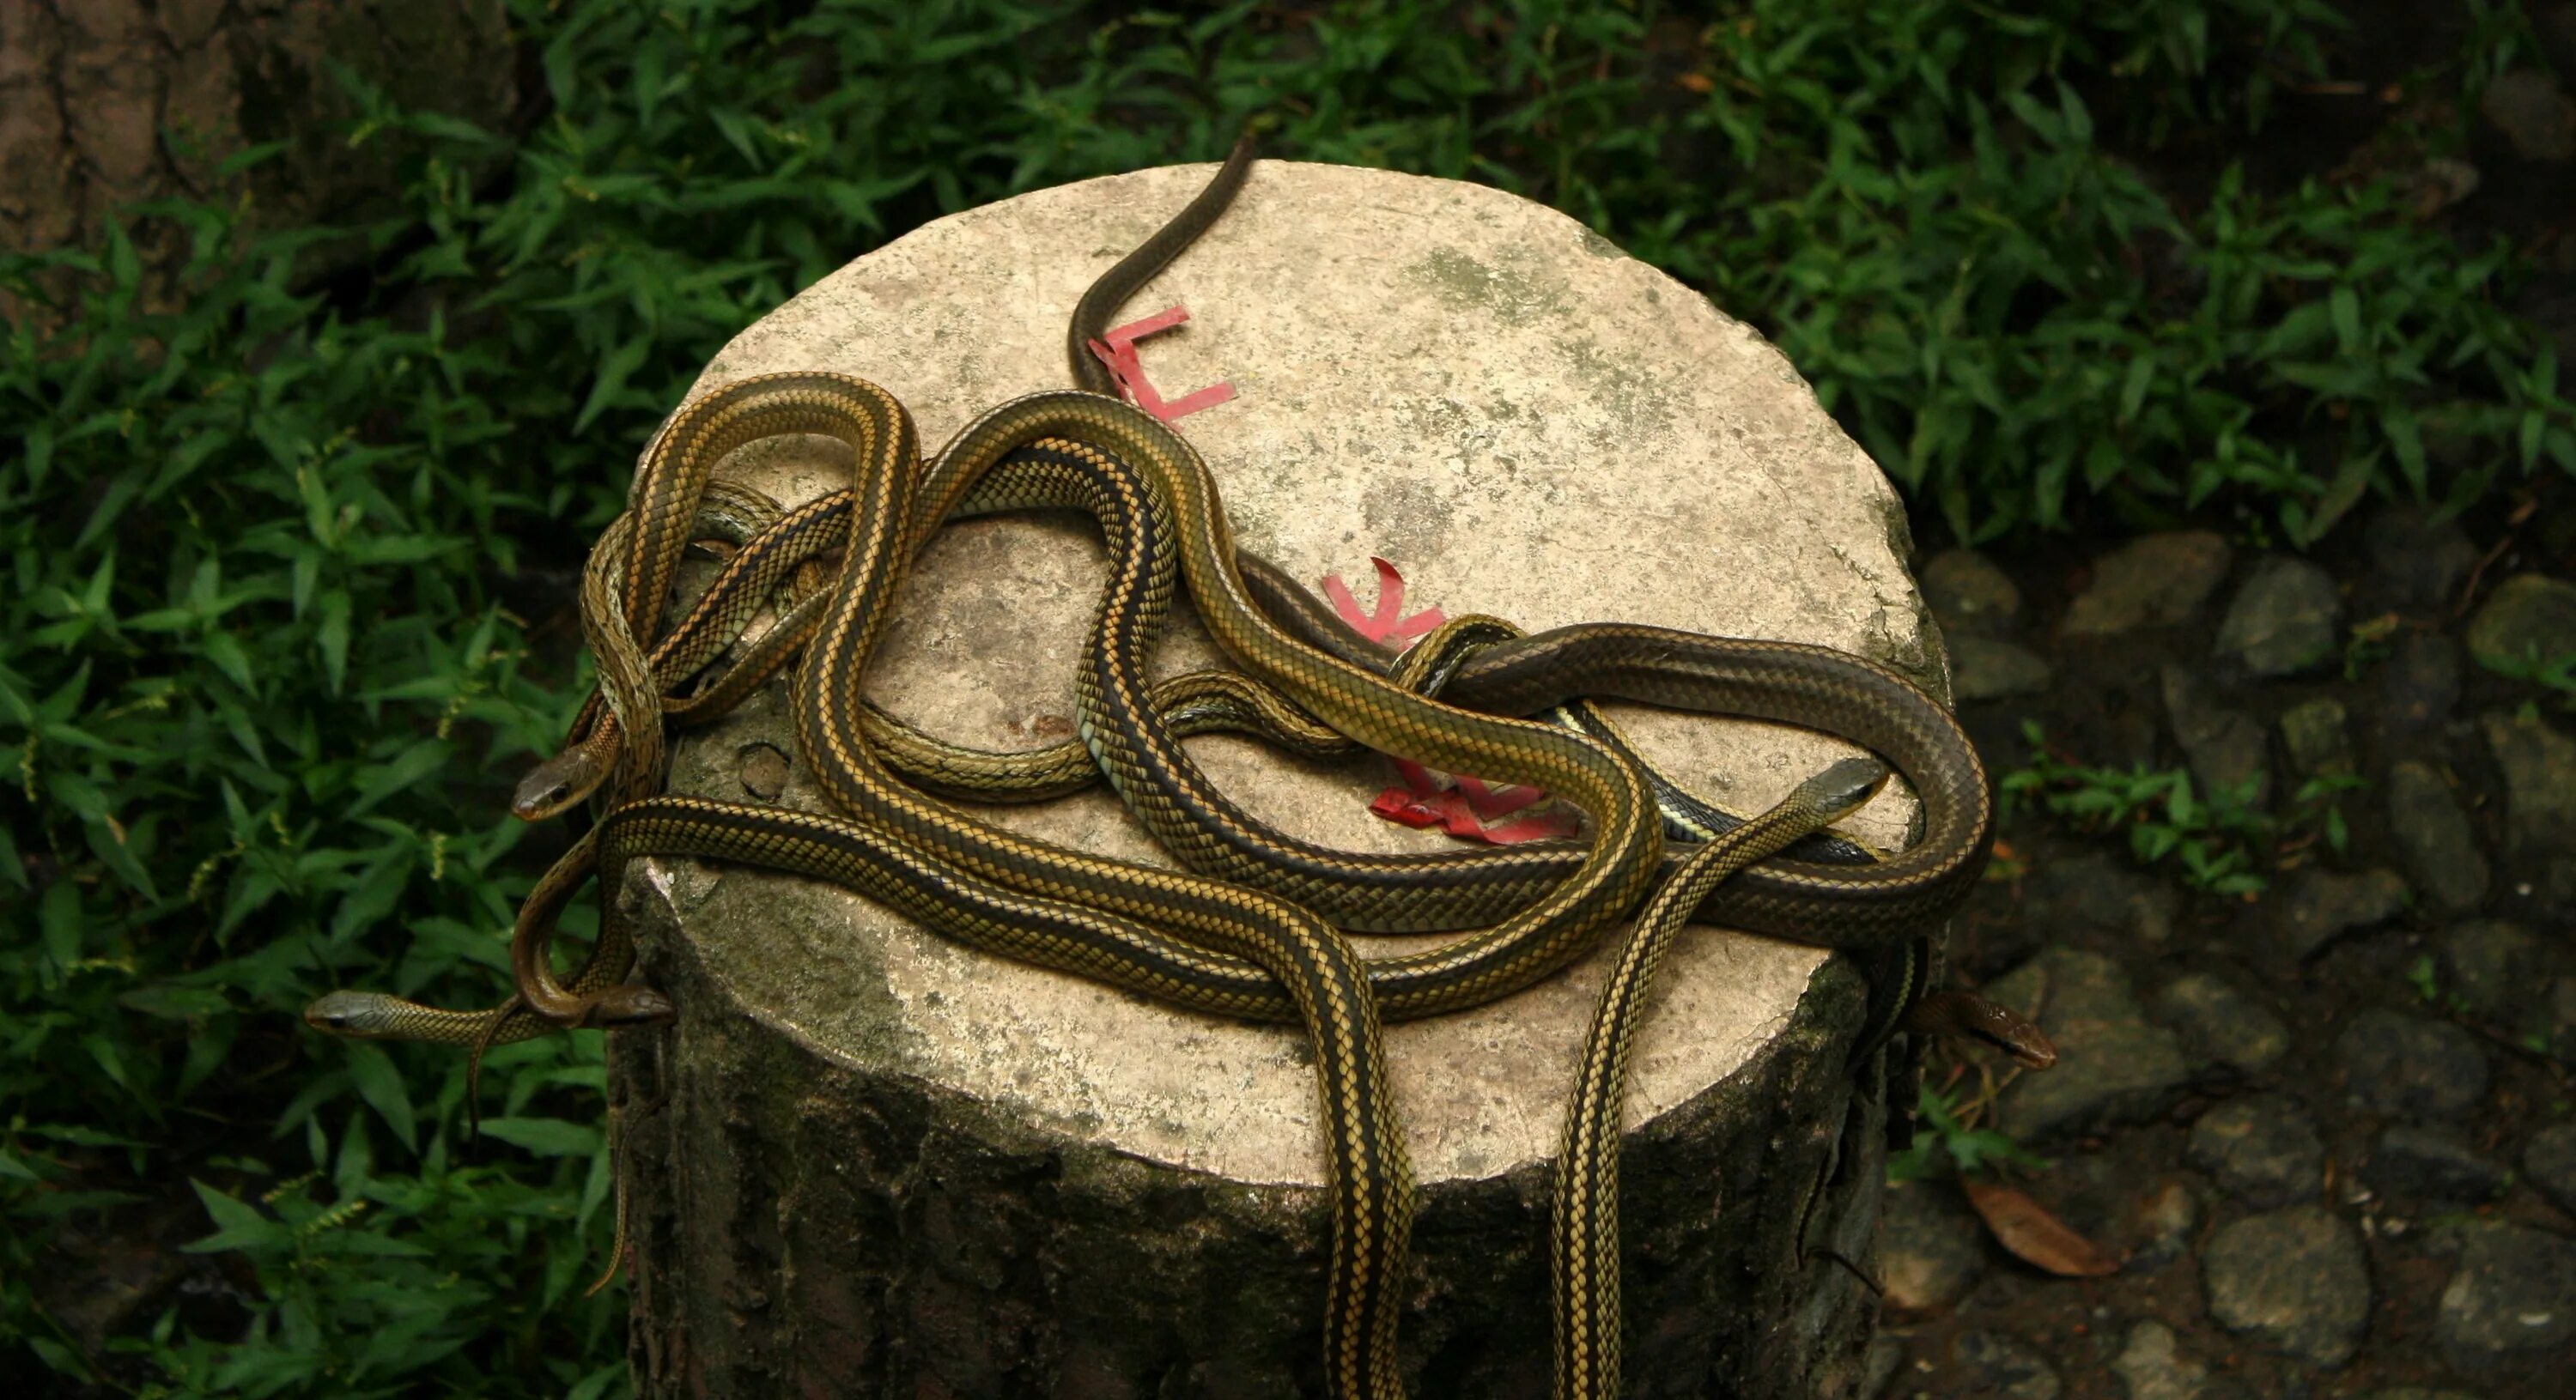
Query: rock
{"points": [[2431, 1164], [2314, 907], [2005, 1367], [2294, 1280], [2152, 1367], [2220, 1025], [2550, 1162], [2433, 834], [2420, 681], [2439, 183], [2528, 617], [1968, 594], [2160, 1229], [2261, 1149], [2417, 564], [2100, 893], [2283, 621], [2225, 745], [2314, 735], [2526, 105], [2417, 1392], [2511, 1304], [2490, 966], [1878, 1368], [2562, 1019], [2155, 581], [1990, 668], [2539, 768], [2111, 1064], [2556, 888], [2410, 1068], [764, 771], [1931, 1247]]}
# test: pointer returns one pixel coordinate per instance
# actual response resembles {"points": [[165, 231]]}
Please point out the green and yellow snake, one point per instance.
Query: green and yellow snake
{"points": [[1213, 944]]}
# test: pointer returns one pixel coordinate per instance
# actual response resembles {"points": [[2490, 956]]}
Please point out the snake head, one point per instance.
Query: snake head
{"points": [[626, 1005], [557, 785], [1840, 790], [363, 1015]]}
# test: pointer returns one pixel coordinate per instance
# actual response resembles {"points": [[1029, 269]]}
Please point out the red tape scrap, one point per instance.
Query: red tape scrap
{"points": [[1461, 805], [1116, 348]]}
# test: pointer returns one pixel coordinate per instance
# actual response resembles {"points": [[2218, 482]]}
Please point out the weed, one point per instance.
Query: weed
{"points": [[2223, 844], [1945, 1126], [2554, 676]]}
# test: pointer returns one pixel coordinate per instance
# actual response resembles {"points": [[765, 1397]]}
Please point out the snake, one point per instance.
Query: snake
{"points": [[1583, 1241], [1552, 924]]}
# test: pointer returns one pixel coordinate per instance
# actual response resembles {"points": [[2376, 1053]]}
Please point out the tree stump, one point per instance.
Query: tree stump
{"points": [[866, 1161], [108, 103]]}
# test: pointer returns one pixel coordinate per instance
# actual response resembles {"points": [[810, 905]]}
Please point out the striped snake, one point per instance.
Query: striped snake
{"points": [[1200, 942]]}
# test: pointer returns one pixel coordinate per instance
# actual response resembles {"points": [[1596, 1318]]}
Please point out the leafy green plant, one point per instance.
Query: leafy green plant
{"points": [[1946, 1142], [2554, 676], [2223, 843], [2159, 809]]}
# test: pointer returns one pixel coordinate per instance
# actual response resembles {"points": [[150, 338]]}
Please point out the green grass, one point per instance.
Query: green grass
{"points": [[265, 702]]}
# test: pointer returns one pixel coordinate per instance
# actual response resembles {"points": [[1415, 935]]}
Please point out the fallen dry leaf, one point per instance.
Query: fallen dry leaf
{"points": [[2025, 1227]]}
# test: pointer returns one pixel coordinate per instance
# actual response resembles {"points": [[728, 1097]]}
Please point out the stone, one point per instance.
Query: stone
{"points": [[2261, 1149], [2112, 1065], [2562, 1019], [2152, 581], [2417, 1392], [2539, 768], [2550, 1162], [940, 1143], [1967, 593], [1931, 1247], [2511, 1303], [1990, 668], [2283, 621], [2529, 617], [2005, 1367], [2432, 833], [2221, 1025], [2526, 105], [2224, 745], [2294, 1280], [2313, 733], [2160, 1229], [2151, 1365], [763, 772], [2417, 563], [1878, 1368], [2489, 967], [2420, 681], [2098, 892], [2421, 1163], [2436, 185], [2314, 907], [2411, 1068]]}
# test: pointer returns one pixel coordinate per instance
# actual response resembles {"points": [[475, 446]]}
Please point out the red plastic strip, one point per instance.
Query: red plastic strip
{"points": [[1116, 349]]}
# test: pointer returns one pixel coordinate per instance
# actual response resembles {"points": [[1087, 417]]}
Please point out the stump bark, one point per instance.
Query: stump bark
{"points": [[865, 1161], [105, 104]]}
